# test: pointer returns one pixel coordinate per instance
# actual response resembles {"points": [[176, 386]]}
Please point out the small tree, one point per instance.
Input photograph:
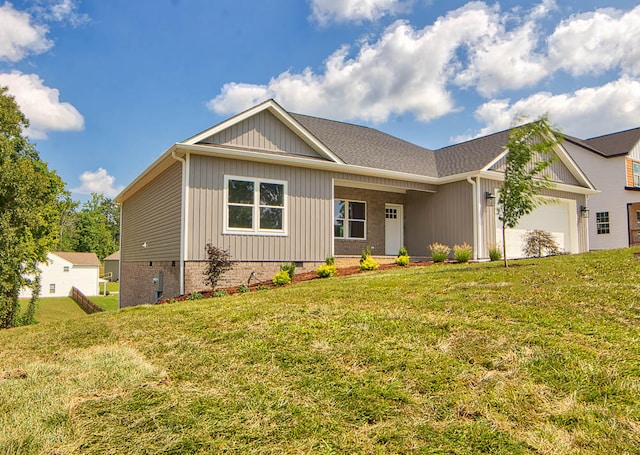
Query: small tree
{"points": [[538, 243], [218, 262], [530, 150]]}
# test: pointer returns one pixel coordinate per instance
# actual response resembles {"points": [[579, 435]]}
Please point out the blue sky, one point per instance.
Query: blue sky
{"points": [[110, 85]]}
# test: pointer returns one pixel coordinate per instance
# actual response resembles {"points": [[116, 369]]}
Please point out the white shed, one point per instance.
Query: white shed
{"points": [[65, 270]]}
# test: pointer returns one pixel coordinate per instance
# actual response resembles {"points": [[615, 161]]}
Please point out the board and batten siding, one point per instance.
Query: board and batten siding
{"points": [[445, 217], [262, 131], [490, 225], [557, 171], [152, 217], [309, 211]]}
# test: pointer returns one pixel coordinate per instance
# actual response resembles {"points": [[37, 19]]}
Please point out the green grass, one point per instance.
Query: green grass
{"points": [[51, 309], [540, 358], [107, 303]]}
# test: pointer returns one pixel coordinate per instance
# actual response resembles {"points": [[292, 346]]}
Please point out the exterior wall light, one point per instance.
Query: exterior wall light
{"points": [[584, 211], [490, 198]]}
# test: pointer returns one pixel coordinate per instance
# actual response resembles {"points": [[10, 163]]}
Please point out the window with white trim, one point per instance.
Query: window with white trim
{"points": [[602, 222], [255, 205], [66, 268], [349, 219], [52, 288], [636, 174]]}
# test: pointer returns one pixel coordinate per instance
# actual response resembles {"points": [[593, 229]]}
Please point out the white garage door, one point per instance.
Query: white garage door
{"points": [[558, 218]]}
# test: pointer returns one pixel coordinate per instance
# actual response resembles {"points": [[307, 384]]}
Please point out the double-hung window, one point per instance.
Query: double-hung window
{"points": [[602, 222], [636, 174], [350, 219], [255, 206]]}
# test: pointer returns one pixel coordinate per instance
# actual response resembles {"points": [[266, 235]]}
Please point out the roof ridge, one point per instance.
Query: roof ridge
{"points": [[611, 134]]}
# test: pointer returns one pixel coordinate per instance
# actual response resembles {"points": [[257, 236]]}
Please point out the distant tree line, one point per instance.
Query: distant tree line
{"points": [[93, 226]]}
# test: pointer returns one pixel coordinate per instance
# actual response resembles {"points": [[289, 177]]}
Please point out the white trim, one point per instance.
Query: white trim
{"points": [[183, 216], [280, 114], [499, 176], [331, 215], [255, 230], [346, 218], [120, 260], [474, 202], [370, 186]]}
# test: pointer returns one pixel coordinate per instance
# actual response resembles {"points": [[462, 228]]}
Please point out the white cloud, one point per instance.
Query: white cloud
{"points": [[325, 11], [406, 70], [594, 42], [585, 113], [97, 182], [41, 105], [19, 37], [61, 11]]}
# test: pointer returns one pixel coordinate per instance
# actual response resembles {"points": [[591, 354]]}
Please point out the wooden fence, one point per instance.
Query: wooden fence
{"points": [[83, 302]]}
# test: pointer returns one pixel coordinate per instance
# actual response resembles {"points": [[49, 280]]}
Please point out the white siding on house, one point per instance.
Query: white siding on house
{"points": [[608, 175], [83, 277]]}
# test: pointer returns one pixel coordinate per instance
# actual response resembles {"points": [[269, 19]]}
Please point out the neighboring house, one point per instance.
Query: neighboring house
{"points": [[612, 162], [112, 267], [66, 270], [270, 187]]}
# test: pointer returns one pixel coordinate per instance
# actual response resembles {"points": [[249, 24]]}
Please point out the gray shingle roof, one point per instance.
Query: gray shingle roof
{"points": [[615, 144], [471, 155], [363, 146]]}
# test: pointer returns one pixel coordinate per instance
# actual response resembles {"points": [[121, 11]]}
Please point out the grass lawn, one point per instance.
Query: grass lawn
{"points": [[51, 309], [540, 358], [107, 303]]}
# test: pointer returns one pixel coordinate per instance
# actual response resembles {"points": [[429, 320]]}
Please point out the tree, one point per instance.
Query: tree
{"points": [[30, 208], [530, 153], [538, 242], [97, 226]]}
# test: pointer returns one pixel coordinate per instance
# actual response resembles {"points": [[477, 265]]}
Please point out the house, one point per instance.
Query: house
{"points": [[112, 266], [65, 270], [612, 162], [270, 186]]}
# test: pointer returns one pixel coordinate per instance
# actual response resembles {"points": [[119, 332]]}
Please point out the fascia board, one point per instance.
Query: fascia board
{"points": [[147, 175], [566, 159], [495, 160]]}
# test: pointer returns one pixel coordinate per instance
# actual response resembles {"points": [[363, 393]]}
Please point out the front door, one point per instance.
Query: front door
{"points": [[393, 229]]}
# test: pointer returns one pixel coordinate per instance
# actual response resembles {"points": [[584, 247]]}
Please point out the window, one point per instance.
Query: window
{"points": [[602, 222], [636, 174], [391, 213], [52, 288], [638, 220], [255, 206], [66, 268], [349, 219]]}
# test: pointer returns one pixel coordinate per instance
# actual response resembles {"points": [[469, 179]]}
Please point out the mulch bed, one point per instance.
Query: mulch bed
{"points": [[299, 278]]}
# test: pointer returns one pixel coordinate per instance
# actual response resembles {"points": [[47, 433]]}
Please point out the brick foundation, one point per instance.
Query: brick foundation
{"points": [[136, 281], [239, 274]]}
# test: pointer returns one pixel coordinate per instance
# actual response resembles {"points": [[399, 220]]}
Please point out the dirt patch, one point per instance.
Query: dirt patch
{"points": [[299, 278]]}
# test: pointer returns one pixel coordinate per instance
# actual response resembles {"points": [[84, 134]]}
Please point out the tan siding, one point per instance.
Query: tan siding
{"points": [[557, 171], [152, 216], [263, 131], [445, 217], [308, 218]]}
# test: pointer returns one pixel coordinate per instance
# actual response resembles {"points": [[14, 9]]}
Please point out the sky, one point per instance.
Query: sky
{"points": [[109, 86]]}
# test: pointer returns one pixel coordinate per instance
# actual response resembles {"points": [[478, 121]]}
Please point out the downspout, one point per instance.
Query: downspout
{"points": [[183, 215], [475, 189], [120, 261]]}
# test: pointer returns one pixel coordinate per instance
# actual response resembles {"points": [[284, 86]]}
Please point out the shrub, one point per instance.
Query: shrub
{"points": [[366, 253], [368, 263], [402, 260], [243, 288], [218, 262], [495, 253], [538, 242], [462, 253], [290, 268], [281, 278], [262, 287], [327, 270], [330, 260], [403, 251], [194, 296], [439, 252], [220, 293]]}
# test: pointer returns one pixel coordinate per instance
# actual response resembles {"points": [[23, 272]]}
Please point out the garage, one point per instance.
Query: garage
{"points": [[557, 216]]}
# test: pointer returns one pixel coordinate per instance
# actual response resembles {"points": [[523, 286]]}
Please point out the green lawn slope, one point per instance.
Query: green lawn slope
{"points": [[542, 357]]}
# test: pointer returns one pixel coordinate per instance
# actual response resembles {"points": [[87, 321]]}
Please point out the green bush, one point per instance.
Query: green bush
{"points": [[330, 260], [462, 253], [495, 253], [290, 268], [326, 271], [539, 243], [220, 293], [402, 260], [366, 253], [281, 278], [194, 296], [403, 251], [368, 263], [243, 288], [439, 252], [262, 287]]}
